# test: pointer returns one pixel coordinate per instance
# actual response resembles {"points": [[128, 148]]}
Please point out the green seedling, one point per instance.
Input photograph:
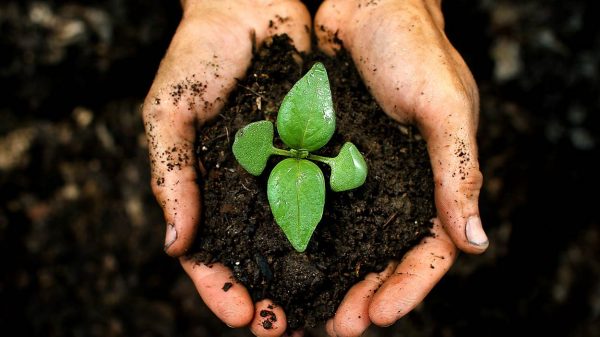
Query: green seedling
{"points": [[296, 186]]}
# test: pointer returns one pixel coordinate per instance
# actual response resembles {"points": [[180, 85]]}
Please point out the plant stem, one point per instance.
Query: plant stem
{"points": [[287, 153], [281, 152], [322, 159]]}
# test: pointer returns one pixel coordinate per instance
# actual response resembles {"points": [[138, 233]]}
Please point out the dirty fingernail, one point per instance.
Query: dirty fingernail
{"points": [[475, 234], [171, 236]]}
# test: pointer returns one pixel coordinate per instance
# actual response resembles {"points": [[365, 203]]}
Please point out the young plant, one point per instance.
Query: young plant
{"points": [[296, 186]]}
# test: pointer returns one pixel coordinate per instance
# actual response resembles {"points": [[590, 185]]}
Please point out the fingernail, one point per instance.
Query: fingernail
{"points": [[171, 236], [475, 234]]}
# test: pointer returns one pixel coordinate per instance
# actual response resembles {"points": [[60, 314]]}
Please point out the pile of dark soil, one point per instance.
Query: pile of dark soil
{"points": [[361, 230]]}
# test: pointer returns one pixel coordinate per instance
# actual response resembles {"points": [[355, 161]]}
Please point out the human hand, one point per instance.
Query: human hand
{"points": [[412, 70], [211, 48]]}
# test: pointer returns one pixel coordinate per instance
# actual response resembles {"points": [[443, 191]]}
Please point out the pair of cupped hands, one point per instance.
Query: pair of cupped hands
{"points": [[414, 73]]}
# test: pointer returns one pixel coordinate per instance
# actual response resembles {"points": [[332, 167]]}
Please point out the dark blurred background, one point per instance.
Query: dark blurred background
{"points": [[81, 236]]}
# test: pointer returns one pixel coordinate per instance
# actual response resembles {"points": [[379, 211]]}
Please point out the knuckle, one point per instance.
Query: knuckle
{"points": [[158, 191], [156, 185], [471, 183]]}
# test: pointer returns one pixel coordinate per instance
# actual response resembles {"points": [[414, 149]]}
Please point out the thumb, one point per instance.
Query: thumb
{"points": [[453, 153]]}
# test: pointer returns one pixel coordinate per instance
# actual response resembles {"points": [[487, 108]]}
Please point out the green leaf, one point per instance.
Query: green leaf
{"points": [[348, 169], [296, 192], [253, 145], [306, 119]]}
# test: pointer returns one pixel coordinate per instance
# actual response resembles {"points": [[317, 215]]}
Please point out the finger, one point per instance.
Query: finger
{"points": [[453, 153], [328, 19], [449, 126], [418, 272], [174, 175], [289, 17], [448, 121], [352, 316], [224, 296], [269, 319]]}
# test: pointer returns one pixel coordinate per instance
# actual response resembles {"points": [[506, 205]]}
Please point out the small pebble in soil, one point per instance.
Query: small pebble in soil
{"points": [[227, 286]]}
